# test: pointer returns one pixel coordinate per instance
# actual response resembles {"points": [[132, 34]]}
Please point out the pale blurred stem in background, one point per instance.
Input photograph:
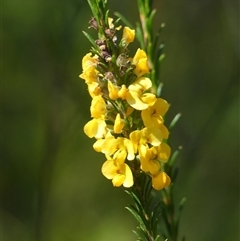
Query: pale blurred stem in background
{"points": [[150, 45]]}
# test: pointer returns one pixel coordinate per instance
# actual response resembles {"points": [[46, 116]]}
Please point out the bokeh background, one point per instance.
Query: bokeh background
{"points": [[52, 188]]}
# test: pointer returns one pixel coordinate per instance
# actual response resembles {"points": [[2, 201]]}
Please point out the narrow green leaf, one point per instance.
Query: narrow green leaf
{"points": [[117, 21], [174, 121], [106, 17], [174, 174], [157, 238], [159, 89], [136, 200], [180, 207], [124, 20], [91, 40], [150, 20], [160, 50], [174, 157], [140, 37], [157, 36], [164, 215], [134, 212], [141, 6], [94, 8], [143, 233]]}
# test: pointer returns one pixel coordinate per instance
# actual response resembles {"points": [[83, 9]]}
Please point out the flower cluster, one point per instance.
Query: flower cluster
{"points": [[127, 117]]}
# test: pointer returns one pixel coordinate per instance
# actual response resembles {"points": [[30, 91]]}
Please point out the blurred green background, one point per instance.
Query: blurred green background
{"points": [[52, 188]]}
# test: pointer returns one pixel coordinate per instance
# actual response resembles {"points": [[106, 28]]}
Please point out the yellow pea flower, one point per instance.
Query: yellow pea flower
{"points": [[119, 173], [164, 130], [128, 36], [99, 144], [141, 62], [122, 93], [162, 152], [94, 89], [153, 115], [110, 23], [160, 180], [152, 157], [89, 74], [98, 107], [96, 128], [113, 90], [136, 97], [121, 145], [140, 138], [118, 124], [149, 162]]}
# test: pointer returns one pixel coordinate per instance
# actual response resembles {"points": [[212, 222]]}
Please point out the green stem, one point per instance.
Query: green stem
{"points": [[146, 209]]}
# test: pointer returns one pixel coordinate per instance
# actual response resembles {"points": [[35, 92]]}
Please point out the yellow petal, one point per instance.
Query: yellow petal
{"points": [[161, 106], [128, 35], [88, 60], [135, 102], [113, 90], [164, 130], [154, 167], [122, 93], [141, 67], [160, 181], [141, 63], [145, 82], [120, 156], [118, 124], [110, 23], [118, 180], [152, 136], [144, 154], [130, 149], [149, 99], [97, 146], [98, 107], [94, 89], [164, 152], [109, 170], [128, 182], [95, 128], [135, 137]]}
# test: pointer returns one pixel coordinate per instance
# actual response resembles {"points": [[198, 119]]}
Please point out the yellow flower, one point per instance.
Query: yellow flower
{"points": [[94, 89], [111, 25], [128, 36], [164, 130], [96, 128], [119, 173], [90, 74], [99, 144], [149, 162], [160, 180], [153, 115], [98, 107], [118, 124], [141, 62], [113, 90], [162, 152], [136, 97], [119, 147], [140, 138], [152, 157], [122, 93]]}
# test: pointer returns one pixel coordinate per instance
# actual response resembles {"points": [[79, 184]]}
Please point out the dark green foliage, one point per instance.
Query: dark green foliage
{"points": [[146, 209]]}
